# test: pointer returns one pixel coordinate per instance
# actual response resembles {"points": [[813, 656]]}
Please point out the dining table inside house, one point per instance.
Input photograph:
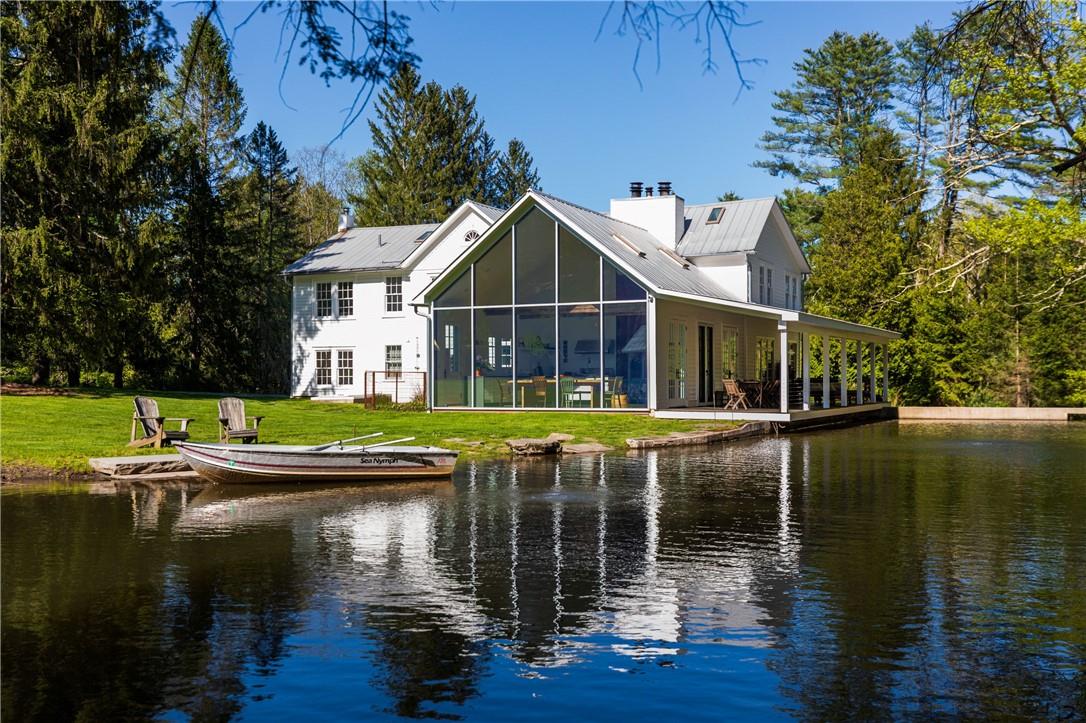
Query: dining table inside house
{"points": [[577, 391]]}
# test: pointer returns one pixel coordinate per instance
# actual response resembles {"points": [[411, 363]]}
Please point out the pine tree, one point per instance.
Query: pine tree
{"points": [[206, 109], [266, 229], [80, 160], [516, 174], [839, 100]]}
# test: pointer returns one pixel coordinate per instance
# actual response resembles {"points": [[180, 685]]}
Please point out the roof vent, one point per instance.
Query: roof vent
{"points": [[665, 187], [648, 190], [346, 220], [635, 189]]}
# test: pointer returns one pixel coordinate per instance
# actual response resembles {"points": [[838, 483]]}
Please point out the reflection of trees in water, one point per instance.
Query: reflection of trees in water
{"points": [[108, 616], [934, 583]]}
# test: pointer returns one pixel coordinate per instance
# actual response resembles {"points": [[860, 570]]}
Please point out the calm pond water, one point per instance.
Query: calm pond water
{"points": [[887, 571]]}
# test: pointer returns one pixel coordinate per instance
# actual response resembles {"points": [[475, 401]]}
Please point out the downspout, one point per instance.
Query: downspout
{"points": [[429, 355]]}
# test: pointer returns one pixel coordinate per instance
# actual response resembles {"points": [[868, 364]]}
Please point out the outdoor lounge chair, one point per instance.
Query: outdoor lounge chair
{"points": [[232, 421], [154, 427], [737, 398]]}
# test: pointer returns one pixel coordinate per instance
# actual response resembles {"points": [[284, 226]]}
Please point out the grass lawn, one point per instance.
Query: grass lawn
{"points": [[61, 432]]}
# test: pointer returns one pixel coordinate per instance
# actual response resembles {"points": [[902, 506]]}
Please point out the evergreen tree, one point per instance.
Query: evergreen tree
{"points": [[208, 271], [516, 174], [80, 158], [431, 153], [266, 227], [841, 95]]}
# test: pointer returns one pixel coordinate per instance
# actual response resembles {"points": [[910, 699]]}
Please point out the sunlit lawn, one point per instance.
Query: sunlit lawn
{"points": [[62, 432]]}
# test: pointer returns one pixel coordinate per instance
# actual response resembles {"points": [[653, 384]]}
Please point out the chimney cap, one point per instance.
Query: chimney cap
{"points": [[635, 189], [648, 190], [664, 187]]}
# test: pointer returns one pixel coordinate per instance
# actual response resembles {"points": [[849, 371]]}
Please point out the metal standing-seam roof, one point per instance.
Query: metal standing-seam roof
{"points": [[363, 249], [738, 229], [657, 266], [492, 213]]}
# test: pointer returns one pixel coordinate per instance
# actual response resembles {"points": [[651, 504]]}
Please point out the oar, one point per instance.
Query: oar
{"points": [[383, 444], [340, 442]]}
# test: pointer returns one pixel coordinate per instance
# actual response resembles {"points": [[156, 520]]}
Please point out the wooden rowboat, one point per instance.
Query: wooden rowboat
{"points": [[256, 463]]}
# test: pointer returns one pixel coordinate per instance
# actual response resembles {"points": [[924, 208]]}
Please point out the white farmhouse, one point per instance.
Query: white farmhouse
{"points": [[654, 306], [351, 305]]}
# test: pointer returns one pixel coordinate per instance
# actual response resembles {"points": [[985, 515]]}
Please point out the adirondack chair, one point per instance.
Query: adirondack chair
{"points": [[232, 421], [146, 417]]}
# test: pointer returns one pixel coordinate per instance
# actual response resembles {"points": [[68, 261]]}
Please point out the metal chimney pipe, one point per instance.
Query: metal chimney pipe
{"points": [[648, 190], [665, 188], [635, 189]]}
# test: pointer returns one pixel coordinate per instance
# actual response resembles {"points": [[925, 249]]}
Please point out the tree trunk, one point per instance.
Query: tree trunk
{"points": [[118, 374], [42, 368], [71, 370]]}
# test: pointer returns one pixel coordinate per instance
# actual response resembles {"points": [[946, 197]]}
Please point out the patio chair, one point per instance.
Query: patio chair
{"points": [[539, 391], [155, 434], [574, 394], [613, 395], [232, 421], [737, 398]]}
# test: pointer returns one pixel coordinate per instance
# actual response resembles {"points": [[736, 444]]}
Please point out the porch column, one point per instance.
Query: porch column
{"points": [[844, 372], [825, 371], [885, 374], [783, 329], [859, 372], [806, 371], [874, 387]]}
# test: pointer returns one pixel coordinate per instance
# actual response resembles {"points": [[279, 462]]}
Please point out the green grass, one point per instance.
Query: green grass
{"points": [[61, 432]]}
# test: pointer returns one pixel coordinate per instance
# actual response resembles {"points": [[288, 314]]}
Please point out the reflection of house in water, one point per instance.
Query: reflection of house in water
{"points": [[553, 556]]}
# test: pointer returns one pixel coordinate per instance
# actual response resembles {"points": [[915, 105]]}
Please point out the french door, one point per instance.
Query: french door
{"points": [[705, 364]]}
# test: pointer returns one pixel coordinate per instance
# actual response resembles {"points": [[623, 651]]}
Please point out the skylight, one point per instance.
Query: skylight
{"points": [[715, 215], [425, 235]]}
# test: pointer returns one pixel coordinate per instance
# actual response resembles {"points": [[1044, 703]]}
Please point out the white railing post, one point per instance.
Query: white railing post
{"points": [[844, 372], [784, 367], [825, 371], [874, 387], [859, 372], [806, 371], [885, 374]]}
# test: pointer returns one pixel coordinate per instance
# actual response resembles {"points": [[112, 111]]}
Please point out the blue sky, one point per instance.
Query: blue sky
{"points": [[540, 74]]}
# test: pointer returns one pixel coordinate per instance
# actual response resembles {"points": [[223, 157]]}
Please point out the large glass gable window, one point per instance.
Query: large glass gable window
{"points": [[535, 258], [493, 285], [541, 321]]}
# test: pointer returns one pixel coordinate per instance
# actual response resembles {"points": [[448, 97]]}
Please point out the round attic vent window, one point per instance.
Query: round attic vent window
{"points": [[471, 236]]}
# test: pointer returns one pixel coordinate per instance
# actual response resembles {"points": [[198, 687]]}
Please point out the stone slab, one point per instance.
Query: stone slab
{"points": [[139, 464], [585, 448], [534, 446], [691, 439], [993, 414]]}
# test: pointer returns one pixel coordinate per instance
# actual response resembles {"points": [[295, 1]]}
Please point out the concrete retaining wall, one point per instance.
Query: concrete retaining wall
{"points": [[997, 414]]}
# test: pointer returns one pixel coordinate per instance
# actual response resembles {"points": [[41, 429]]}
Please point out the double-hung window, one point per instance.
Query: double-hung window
{"points": [[345, 298], [324, 298], [345, 367], [324, 367], [795, 294], [393, 293], [787, 291], [393, 360], [769, 286]]}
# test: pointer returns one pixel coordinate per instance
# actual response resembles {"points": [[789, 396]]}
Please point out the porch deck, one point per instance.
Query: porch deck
{"points": [[769, 415]]}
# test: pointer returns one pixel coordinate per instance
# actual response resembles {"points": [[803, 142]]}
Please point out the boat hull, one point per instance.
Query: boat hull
{"points": [[255, 464]]}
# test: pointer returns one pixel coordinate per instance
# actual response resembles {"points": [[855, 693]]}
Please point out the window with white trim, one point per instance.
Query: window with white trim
{"points": [[393, 360], [507, 354], [787, 291], [769, 286], [761, 284], [345, 366], [729, 357], [345, 298], [324, 368], [676, 361], [795, 294], [450, 346], [324, 299], [393, 293]]}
